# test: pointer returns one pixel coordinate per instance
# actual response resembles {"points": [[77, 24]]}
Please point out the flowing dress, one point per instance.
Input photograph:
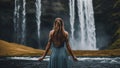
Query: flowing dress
{"points": [[59, 57]]}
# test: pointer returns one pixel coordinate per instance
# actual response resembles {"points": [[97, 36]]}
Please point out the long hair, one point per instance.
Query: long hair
{"points": [[60, 33]]}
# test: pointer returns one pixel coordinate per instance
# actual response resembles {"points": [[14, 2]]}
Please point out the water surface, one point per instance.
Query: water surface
{"points": [[84, 62]]}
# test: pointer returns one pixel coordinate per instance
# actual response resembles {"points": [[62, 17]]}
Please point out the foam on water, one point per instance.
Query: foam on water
{"points": [[28, 58], [90, 59]]}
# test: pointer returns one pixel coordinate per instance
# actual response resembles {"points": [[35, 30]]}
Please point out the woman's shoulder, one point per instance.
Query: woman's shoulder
{"points": [[51, 32], [66, 33]]}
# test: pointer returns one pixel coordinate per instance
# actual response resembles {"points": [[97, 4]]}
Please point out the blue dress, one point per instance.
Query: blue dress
{"points": [[59, 57]]}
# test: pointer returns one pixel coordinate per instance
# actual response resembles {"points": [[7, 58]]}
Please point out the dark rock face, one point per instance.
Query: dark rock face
{"points": [[107, 20], [107, 14], [6, 19]]}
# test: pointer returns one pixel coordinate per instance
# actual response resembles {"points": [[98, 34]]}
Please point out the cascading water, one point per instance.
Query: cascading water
{"points": [[72, 18], [87, 26], [23, 22], [38, 14], [15, 19], [20, 21], [87, 34]]}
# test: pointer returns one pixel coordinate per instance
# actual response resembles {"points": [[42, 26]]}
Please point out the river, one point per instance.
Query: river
{"points": [[83, 62]]}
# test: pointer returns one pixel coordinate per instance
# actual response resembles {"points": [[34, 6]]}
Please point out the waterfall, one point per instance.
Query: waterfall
{"points": [[87, 34], [38, 14], [20, 21], [23, 23], [15, 19], [87, 26], [72, 18]]}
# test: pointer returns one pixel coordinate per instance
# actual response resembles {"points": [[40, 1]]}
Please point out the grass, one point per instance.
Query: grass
{"points": [[13, 49], [115, 45], [114, 52]]}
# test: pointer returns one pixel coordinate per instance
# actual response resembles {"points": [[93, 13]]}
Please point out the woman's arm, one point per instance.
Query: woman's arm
{"points": [[47, 47], [69, 48]]}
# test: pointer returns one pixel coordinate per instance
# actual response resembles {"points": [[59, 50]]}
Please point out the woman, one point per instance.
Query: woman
{"points": [[58, 36]]}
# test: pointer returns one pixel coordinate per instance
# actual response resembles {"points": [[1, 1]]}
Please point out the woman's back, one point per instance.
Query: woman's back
{"points": [[59, 39], [59, 56]]}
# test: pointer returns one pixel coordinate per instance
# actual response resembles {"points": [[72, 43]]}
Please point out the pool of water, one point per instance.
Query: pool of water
{"points": [[83, 62]]}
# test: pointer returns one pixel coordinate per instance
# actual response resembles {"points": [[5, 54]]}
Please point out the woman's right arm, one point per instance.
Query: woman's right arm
{"points": [[46, 51], [47, 48]]}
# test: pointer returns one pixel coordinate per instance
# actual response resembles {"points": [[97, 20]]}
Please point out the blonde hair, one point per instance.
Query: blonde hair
{"points": [[59, 34]]}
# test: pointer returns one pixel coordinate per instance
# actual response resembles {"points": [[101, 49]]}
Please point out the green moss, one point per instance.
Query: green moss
{"points": [[117, 33], [115, 45], [117, 3], [116, 14]]}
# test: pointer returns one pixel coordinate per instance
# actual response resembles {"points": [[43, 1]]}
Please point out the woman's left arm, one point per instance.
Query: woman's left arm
{"points": [[69, 48]]}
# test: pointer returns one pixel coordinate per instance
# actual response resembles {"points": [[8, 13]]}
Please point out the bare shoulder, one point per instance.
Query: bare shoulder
{"points": [[66, 32], [66, 36], [51, 32]]}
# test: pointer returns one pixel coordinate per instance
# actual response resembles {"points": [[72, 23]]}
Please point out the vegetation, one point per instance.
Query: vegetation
{"points": [[117, 32], [13, 49], [114, 52], [115, 45], [116, 42]]}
